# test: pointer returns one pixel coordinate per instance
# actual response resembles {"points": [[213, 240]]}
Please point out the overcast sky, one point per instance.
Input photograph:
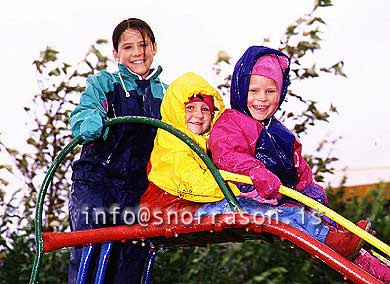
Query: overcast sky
{"points": [[189, 35]]}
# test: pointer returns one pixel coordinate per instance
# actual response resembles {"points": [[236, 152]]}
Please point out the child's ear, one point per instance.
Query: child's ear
{"points": [[115, 54], [154, 48]]}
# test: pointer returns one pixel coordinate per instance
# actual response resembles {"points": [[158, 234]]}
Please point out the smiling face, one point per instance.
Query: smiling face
{"points": [[198, 117], [135, 52], [263, 97]]}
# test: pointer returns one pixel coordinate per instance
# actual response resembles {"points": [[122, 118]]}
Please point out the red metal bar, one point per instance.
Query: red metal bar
{"points": [[218, 223], [322, 252]]}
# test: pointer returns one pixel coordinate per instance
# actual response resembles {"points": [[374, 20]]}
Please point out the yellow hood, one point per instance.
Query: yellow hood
{"points": [[175, 167]]}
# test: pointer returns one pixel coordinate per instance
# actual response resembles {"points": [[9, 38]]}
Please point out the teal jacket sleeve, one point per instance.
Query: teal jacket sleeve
{"points": [[87, 119]]}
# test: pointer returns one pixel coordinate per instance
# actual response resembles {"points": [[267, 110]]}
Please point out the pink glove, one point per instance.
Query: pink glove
{"points": [[267, 184]]}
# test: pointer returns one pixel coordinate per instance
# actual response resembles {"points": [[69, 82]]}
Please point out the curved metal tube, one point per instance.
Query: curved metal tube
{"points": [[78, 140], [156, 123], [39, 208], [296, 195], [234, 205]]}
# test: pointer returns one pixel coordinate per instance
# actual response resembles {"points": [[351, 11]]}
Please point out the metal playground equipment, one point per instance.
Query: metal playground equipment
{"points": [[206, 230]]}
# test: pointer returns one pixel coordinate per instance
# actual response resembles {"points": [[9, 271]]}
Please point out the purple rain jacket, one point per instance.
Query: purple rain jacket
{"points": [[243, 145]]}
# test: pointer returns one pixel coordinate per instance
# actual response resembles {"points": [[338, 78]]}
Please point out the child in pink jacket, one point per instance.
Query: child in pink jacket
{"points": [[247, 139]]}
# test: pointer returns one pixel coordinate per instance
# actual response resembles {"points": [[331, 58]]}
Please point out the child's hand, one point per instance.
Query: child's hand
{"points": [[316, 192], [91, 129], [267, 184]]}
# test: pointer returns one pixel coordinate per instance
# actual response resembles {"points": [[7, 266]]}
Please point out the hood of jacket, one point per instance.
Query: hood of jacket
{"points": [[178, 93], [241, 77], [175, 167]]}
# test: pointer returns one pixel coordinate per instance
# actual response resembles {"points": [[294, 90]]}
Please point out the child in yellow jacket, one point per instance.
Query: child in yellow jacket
{"points": [[179, 179]]}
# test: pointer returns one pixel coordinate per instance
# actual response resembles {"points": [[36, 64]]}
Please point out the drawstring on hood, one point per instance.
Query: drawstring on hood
{"points": [[128, 85]]}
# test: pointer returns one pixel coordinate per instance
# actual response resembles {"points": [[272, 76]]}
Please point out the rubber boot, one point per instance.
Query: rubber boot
{"points": [[373, 266], [346, 243]]}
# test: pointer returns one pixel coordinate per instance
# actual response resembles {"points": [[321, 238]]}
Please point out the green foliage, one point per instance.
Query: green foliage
{"points": [[250, 262], [60, 85], [321, 161], [372, 206], [16, 266]]}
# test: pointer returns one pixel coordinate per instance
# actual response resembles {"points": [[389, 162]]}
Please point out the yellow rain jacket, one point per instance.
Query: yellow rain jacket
{"points": [[175, 167]]}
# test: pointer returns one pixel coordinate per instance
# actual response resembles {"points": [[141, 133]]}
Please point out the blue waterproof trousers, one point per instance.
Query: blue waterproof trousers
{"points": [[292, 214], [97, 201]]}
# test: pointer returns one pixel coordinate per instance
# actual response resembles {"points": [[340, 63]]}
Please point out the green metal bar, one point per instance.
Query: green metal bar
{"points": [[39, 208], [234, 205]]}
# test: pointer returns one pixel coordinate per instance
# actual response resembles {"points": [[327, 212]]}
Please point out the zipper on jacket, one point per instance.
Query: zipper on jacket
{"points": [[108, 160], [113, 110]]}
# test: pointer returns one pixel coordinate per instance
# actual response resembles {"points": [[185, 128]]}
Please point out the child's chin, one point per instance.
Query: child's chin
{"points": [[259, 117], [139, 70], [197, 131]]}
